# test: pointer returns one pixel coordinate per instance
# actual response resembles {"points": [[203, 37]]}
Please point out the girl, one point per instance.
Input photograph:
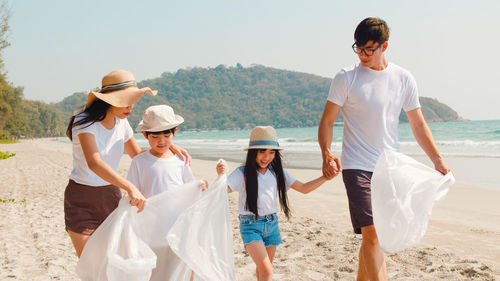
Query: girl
{"points": [[100, 134], [260, 183]]}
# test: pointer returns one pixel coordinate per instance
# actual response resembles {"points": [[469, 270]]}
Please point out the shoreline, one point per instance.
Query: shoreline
{"points": [[462, 241]]}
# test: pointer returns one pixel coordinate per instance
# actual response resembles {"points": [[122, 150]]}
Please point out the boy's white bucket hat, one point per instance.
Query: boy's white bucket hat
{"points": [[263, 137], [159, 118]]}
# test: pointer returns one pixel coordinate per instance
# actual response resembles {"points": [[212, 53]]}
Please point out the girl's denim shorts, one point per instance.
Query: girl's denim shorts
{"points": [[265, 229]]}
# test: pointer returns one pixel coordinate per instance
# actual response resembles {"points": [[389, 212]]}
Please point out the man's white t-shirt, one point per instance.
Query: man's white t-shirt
{"points": [[267, 199], [153, 175], [371, 103], [110, 144]]}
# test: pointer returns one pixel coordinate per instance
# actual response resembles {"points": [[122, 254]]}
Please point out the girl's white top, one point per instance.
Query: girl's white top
{"points": [[110, 144], [267, 200]]}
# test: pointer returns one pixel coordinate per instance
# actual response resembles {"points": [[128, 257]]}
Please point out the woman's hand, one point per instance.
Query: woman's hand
{"points": [[182, 153], [136, 198]]}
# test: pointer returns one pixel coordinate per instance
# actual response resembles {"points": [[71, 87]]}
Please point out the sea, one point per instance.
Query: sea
{"points": [[473, 142]]}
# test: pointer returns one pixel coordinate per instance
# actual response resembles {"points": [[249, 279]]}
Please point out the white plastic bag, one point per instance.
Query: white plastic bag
{"points": [[200, 233], [131, 246], [403, 194], [130, 262]]}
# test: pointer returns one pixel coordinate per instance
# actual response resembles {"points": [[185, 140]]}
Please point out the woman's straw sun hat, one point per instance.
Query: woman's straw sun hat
{"points": [[263, 137], [119, 89]]}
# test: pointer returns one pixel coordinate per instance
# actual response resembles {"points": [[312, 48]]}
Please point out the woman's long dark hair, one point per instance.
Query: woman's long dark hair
{"points": [[252, 186], [94, 113]]}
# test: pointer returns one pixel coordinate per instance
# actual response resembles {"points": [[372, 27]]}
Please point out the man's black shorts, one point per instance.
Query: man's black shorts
{"points": [[358, 187]]}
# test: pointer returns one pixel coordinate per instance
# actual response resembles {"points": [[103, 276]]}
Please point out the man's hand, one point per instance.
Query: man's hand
{"points": [[331, 166], [440, 166]]}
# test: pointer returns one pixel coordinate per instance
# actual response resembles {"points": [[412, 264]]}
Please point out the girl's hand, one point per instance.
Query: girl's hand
{"points": [[136, 198], [221, 168], [204, 185]]}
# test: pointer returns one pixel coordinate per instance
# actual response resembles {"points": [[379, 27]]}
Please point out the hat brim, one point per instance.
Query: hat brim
{"points": [[178, 120], [120, 98], [263, 147]]}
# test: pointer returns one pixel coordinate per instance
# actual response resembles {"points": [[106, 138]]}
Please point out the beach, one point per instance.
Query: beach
{"points": [[462, 241]]}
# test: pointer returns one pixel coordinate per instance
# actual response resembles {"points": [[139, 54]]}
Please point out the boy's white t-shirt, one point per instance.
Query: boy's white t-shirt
{"points": [[371, 103], [267, 200], [153, 175], [110, 144]]}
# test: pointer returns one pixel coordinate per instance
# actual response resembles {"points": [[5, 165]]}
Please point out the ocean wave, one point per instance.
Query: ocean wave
{"points": [[472, 143]]}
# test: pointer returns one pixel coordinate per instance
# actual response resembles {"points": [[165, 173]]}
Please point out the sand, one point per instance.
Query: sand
{"points": [[462, 241]]}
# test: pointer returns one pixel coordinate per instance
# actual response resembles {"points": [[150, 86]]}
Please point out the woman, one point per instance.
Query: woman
{"points": [[100, 134]]}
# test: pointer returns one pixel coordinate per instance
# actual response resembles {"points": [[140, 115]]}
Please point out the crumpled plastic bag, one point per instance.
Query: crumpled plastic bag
{"points": [[131, 246], [404, 192], [198, 230]]}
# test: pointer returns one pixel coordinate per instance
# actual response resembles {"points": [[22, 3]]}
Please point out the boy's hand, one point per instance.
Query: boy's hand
{"points": [[221, 168], [204, 185]]}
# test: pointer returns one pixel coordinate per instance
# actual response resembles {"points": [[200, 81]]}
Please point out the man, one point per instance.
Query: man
{"points": [[371, 95]]}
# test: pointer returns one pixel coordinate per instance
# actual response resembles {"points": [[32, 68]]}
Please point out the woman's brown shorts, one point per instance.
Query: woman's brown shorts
{"points": [[86, 207]]}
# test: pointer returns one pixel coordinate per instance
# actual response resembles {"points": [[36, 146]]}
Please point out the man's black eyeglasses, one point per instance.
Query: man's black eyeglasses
{"points": [[368, 51]]}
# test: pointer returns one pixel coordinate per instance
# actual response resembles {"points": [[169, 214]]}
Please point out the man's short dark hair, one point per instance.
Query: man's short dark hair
{"points": [[168, 131], [371, 29]]}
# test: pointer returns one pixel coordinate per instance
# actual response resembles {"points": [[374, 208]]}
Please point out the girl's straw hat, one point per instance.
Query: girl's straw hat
{"points": [[119, 89], [159, 118], [263, 137]]}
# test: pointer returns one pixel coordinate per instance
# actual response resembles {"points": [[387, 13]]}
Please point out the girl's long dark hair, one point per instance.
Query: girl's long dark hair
{"points": [[252, 186], [94, 113]]}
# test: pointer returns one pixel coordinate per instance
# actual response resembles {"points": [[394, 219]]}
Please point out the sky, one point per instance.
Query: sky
{"points": [[59, 47]]}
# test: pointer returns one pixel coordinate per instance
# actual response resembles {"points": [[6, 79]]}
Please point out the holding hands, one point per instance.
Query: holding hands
{"points": [[331, 165]]}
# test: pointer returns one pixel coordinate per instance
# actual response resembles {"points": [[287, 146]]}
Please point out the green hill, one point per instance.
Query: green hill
{"points": [[237, 97], [21, 117]]}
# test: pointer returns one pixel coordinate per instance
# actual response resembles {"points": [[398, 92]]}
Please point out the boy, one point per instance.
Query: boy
{"points": [[158, 169]]}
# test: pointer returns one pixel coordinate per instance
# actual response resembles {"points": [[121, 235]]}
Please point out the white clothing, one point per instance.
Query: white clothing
{"points": [[267, 200], [180, 231], [371, 103], [153, 175], [110, 144]]}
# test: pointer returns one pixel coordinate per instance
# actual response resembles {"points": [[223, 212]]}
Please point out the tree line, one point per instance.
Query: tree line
{"points": [[18, 116], [222, 97]]}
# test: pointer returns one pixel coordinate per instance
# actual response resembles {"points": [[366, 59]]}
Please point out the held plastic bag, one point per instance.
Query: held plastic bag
{"points": [[404, 192], [106, 255], [131, 246], [199, 235]]}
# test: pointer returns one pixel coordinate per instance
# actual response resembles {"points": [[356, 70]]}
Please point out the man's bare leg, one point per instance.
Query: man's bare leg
{"points": [[371, 256]]}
